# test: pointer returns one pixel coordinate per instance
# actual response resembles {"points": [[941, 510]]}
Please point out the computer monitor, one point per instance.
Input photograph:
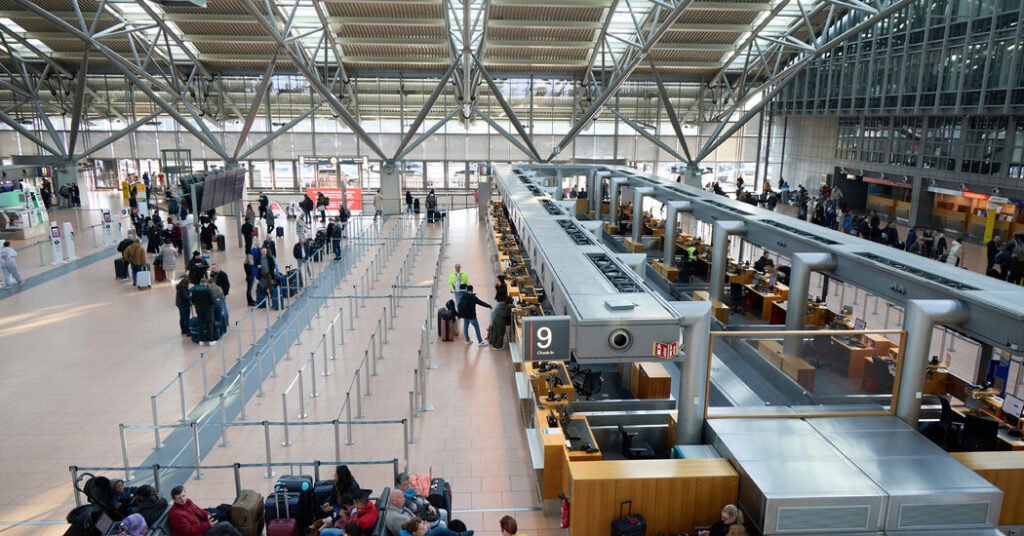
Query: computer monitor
{"points": [[859, 324], [1013, 406]]}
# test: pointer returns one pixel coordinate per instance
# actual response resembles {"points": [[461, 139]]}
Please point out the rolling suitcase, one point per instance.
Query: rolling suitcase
{"points": [[159, 274], [323, 493], [281, 526], [445, 325], [280, 232], [221, 243], [630, 524], [440, 496], [144, 279], [247, 513], [303, 486], [120, 269]]}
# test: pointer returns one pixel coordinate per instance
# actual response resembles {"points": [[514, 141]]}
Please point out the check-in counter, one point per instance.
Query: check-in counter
{"points": [[1005, 470], [561, 448], [674, 496], [650, 380]]}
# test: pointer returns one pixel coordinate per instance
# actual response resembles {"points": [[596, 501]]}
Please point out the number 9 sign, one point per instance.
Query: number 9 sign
{"points": [[546, 338]]}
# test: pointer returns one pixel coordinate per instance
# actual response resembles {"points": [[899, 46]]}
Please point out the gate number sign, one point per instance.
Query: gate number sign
{"points": [[546, 338]]}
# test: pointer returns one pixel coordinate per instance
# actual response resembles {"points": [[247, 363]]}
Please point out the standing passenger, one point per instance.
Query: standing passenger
{"points": [[8, 264]]}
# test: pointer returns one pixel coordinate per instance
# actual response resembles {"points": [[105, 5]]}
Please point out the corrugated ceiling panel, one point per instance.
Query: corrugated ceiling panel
{"points": [[537, 53], [551, 13], [213, 7], [385, 10], [685, 55], [221, 28], [718, 17], [391, 31], [541, 34], [397, 50], [717, 38], [243, 49]]}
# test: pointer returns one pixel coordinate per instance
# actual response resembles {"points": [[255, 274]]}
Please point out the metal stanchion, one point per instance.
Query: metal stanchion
{"points": [[241, 395], [341, 323], [156, 424], [334, 346], [273, 356], [359, 396], [353, 308], [412, 415], [416, 391], [266, 437], [259, 373], [337, 440], [312, 375], [368, 391], [181, 394], [384, 332], [223, 421], [124, 453], [198, 451], [348, 418], [323, 343], [237, 470], [302, 397], [366, 357], [284, 412]]}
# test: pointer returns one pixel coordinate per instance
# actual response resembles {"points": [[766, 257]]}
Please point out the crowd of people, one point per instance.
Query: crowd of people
{"points": [[1004, 258], [464, 303]]}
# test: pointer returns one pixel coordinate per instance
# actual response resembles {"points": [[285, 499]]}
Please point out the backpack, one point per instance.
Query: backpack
{"points": [[298, 252], [345, 214], [123, 245]]}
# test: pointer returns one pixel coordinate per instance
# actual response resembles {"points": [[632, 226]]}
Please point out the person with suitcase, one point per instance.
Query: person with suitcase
{"points": [[169, 260], [187, 519], [135, 256]]}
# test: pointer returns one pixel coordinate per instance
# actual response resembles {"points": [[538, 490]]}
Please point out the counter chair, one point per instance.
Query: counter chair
{"points": [[952, 424], [634, 450], [591, 384], [980, 433]]}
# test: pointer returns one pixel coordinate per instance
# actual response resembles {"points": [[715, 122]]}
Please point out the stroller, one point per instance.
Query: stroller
{"points": [[97, 517]]}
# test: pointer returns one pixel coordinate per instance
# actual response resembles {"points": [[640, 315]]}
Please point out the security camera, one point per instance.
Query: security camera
{"points": [[963, 186], [996, 191]]}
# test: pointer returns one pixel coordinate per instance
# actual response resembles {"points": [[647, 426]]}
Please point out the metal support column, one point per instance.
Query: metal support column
{"points": [[638, 212], [690, 399], [671, 228], [720, 254], [919, 322], [799, 286]]}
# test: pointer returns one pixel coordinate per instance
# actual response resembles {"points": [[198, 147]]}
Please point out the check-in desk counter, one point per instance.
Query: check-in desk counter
{"points": [[860, 353], [562, 446], [554, 382], [1005, 470], [817, 314], [793, 366], [761, 299], [673, 495], [718, 309]]}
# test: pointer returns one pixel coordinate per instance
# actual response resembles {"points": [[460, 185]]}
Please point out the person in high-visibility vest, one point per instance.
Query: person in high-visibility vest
{"points": [[457, 279]]}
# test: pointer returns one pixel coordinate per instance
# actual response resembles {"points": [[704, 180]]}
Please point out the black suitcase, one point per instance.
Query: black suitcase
{"points": [[221, 243], [630, 524], [323, 493], [120, 269], [303, 486], [280, 232], [440, 496]]}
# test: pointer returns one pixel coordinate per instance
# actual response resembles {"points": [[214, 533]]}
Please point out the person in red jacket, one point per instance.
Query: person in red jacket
{"points": [[187, 519], [366, 512]]}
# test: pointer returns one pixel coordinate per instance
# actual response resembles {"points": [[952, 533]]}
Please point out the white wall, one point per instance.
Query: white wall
{"points": [[810, 143]]}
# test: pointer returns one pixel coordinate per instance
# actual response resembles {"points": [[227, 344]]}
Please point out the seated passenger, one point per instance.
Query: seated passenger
{"points": [[122, 497], [418, 527], [133, 525], [419, 505], [148, 503], [364, 514], [187, 519]]}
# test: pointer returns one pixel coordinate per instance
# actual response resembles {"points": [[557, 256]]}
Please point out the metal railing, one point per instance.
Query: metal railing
{"points": [[158, 471]]}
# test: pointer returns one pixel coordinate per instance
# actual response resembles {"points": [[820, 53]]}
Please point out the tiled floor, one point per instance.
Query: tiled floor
{"points": [[84, 352]]}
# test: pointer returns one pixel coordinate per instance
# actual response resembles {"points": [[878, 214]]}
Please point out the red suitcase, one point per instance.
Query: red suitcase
{"points": [[282, 526], [158, 273]]}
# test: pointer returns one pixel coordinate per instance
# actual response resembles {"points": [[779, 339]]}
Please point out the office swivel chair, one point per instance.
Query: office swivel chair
{"points": [[591, 384], [952, 424], [634, 450], [980, 433]]}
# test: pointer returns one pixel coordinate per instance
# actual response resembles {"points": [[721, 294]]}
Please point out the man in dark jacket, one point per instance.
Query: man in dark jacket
{"points": [[307, 209], [247, 233], [467, 311], [203, 302], [196, 267], [321, 205], [993, 248], [264, 205], [336, 241], [220, 278]]}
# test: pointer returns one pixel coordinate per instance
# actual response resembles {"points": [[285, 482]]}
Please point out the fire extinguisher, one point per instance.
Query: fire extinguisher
{"points": [[563, 513]]}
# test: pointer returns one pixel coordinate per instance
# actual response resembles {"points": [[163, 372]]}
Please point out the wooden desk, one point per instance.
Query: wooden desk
{"points": [[718, 309], [816, 315], [541, 387], [795, 367], [635, 247], [557, 452], [674, 496], [856, 358], [1005, 470], [650, 380], [742, 277], [669, 272], [758, 299]]}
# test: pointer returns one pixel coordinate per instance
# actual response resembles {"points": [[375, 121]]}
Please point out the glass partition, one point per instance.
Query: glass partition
{"points": [[804, 373]]}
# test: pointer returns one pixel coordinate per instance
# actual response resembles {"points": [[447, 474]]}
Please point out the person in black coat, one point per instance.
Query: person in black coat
{"points": [[196, 268], [183, 301], [247, 228], [148, 504], [220, 278], [203, 302], [467, 311]]}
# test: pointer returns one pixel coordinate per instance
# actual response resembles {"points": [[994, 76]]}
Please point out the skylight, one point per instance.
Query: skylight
{"points": [[15, 48]]}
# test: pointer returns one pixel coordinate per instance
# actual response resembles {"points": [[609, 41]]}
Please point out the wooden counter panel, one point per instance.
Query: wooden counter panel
{"points": [[1005, 470], [672, 495]]}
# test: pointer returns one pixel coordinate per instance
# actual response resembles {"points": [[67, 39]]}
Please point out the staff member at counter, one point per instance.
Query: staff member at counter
{"points": [[730, 525]]}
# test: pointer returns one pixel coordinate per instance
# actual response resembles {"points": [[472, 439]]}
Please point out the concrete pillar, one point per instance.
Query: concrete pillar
{"points": [[691, 176], [803, 264], [595, 191], [720, 254], [919, 322], [390, 188], [559, 190], [613, 206], [692, 392], [921, 203], [484, 189], [671, 227], [638, 213]]}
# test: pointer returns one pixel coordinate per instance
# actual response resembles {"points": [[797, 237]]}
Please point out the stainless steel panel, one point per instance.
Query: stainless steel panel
{"points": [[863, 445]]}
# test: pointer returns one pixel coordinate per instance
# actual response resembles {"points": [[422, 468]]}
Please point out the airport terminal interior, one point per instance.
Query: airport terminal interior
{"points": [[512, 267]]}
